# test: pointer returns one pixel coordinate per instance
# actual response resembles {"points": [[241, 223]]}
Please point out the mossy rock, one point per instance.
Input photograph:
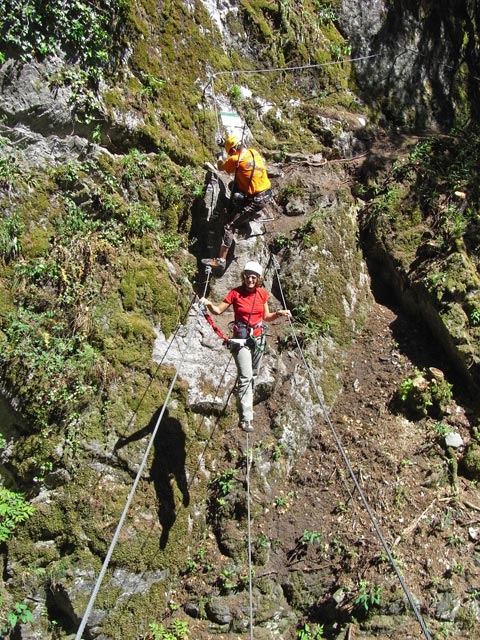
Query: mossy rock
{"points": [[471, 462]]}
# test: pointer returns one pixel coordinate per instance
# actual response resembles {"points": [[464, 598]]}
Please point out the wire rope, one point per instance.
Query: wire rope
{"points": [[106, 562], [295, 68], [249, 539], [116, 535], [350, 469]]}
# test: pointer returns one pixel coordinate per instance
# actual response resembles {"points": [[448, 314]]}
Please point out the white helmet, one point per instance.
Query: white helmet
{"points": [[254, 267]]}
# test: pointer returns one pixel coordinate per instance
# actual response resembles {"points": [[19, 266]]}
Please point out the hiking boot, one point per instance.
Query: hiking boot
{"points": [[246, 425], [216, 263]]}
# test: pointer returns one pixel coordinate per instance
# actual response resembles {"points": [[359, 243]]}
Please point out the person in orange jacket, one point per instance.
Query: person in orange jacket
{"points": [[251, 192]]}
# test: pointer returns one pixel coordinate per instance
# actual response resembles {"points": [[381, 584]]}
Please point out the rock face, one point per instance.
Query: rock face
{"points": [[412, 53], [133, 235]]}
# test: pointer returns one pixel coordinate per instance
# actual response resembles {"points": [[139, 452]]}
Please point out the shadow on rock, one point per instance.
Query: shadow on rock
{"points": [[168, 466]]}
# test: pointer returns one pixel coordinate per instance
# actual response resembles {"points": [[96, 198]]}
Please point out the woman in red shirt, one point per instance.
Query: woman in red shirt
{"points": [[250, 308]]}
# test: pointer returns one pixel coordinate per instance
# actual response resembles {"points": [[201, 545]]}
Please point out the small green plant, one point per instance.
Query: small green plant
{"points": [[222, 484], [338, 546], [384, 558], [425, 394], [310, 537], [152, 86], [283, 502], [368, 595], [458, 568], [11, 228], [341, 507], [292, 190], [134, 166], [277, 452], [20, 614], [475, 317], [441, 429], [444, 631], [235, 94], [170, 243], [339, 51], [13, 510], [97, 134], [312, 328], [139, 220], [199, 562], [307, 632], [421, 151], [263, 541], [227, 580], [178, 630], [306, 232], [43, 468], [455, 540], [399, 497], [279, 242], [157, 631], [9, 170]]}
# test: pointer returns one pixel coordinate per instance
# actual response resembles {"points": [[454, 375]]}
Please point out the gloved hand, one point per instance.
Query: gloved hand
{"points": [[202, 305]]}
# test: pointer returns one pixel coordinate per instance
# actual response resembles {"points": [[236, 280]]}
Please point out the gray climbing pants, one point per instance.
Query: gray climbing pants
{"points": [[247, 359]]}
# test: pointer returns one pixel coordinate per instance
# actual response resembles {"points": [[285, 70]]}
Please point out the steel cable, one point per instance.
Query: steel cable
{"points": [[249, 539], [113, 543], [349, 466]]}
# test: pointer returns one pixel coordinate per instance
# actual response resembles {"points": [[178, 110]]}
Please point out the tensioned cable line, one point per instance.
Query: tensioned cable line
{"points": [[275, 69], [350, 470], [113, 543], [294, 68], [249, 539]]}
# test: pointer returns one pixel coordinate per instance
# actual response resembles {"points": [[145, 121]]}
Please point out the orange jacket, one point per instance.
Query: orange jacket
{"points": [[251, 174]]}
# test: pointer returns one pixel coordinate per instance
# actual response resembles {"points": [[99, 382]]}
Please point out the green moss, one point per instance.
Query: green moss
{"points": [[35, 454], [132, 326], [7, 304], [253, 9], [148, 286], [128, 291], [47, 522], [471, 461], [113, 98], [131, 618]]}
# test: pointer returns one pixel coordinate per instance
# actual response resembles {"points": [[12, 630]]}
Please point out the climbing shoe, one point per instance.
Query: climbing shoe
{"points": [[216, 263], [246, 425]]}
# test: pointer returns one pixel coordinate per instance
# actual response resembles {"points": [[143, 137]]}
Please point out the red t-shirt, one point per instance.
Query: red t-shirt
{"points": [[248, 305]]}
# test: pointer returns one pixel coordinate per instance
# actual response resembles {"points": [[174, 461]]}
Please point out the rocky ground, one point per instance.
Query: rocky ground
{"points": [[321, 544], [323, 548], [429, 520]]}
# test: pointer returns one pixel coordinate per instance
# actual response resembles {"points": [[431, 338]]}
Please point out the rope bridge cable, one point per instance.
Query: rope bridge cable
{"points": [[211, 79], [350, 469], [249, 539], [295, 68], [114, 541]]}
